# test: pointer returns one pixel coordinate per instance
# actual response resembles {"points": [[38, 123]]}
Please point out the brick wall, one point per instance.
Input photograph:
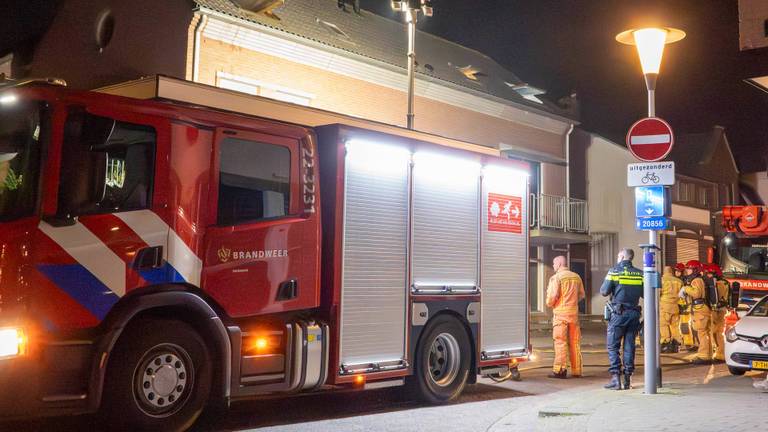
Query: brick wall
{"points": [[354, 97]]}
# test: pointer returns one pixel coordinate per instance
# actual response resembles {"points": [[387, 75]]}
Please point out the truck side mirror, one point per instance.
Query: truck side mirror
{"points": [[735, 295]]}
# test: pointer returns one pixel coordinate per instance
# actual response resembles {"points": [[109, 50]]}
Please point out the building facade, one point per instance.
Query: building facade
{"points": [[311, 52]]}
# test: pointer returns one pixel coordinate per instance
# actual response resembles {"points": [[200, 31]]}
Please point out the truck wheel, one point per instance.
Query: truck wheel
{"points": [[158, 378], [736, 371], [442, 360]]}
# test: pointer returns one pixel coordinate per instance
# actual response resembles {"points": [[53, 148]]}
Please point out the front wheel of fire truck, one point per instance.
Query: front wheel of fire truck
{"points": [[158, 378], [442, 360]]}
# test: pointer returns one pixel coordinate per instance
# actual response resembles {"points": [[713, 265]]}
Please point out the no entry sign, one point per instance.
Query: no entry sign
{"points": [[650, 139]]}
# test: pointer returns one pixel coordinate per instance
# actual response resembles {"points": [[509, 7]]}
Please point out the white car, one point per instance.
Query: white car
{"points": [[746, 346]]}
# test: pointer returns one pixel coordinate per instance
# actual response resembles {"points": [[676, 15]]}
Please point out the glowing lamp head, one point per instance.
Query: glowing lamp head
{"points": [[650, 44], [359, 380]]}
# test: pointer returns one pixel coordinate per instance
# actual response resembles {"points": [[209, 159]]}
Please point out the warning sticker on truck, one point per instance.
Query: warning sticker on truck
{"points": [[505, 213]]}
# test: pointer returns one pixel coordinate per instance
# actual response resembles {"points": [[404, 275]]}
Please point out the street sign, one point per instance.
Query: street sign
{"points": [[650, 201], [652, 224], [650, 139], [651, 174]]}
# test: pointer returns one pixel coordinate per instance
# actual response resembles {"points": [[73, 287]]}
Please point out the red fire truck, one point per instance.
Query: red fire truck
{"points": [[165, 245], [744, 252]]}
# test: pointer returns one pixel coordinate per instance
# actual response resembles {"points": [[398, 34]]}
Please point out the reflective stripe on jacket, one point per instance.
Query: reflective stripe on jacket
{"points": [[624, 283]]}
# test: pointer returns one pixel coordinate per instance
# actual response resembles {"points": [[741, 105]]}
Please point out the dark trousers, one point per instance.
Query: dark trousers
{"points": [[622, 327]]}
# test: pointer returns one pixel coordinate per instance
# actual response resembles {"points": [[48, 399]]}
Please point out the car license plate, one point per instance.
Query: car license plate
{"points": [[759, 364]]}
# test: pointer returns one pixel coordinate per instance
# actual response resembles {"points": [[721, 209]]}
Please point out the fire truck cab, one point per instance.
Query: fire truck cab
{"points": [[157, 255]]}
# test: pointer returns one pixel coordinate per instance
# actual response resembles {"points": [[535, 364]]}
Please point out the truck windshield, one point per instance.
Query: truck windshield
{"points": [[744, 255], [20, 135]]}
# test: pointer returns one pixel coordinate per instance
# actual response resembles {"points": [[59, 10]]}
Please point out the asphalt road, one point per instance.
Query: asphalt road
{"points": [[479, 408]]}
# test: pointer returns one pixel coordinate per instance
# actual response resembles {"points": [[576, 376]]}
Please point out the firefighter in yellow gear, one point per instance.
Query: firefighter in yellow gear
{"points": [[719, 310], [564, 291], [687, 338], [669, 311], [696, 290]]}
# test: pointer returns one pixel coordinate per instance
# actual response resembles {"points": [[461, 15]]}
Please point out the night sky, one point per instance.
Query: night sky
{"points": [[568, 45], [565, 45]]}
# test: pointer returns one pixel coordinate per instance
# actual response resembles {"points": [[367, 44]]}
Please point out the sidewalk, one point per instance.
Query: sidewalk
{"points": [[710, 399]]}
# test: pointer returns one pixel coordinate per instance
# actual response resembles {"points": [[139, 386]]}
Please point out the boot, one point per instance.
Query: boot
{"points": [[700, 361], [563, 374], [614, 383], [665, 347], [675, 347], [627, 381]]}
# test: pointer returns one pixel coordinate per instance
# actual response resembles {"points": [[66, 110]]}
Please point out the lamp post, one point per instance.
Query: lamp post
{"points": [[650, 47], [412, 9]]}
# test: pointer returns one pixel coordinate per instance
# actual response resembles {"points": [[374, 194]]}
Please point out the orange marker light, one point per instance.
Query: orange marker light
{"points": [[359, 380], [261, 343]]}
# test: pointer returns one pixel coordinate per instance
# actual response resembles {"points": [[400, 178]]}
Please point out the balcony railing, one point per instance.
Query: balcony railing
{"points": [[559, 213]]}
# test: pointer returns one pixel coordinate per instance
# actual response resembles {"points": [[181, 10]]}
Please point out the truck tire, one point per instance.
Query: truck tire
{"points": [[442, 360], [158, 378], [736, 371]]}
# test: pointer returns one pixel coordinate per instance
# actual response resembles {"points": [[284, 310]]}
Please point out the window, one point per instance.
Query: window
{"points": [[22, 127], [254, 181], [703, 199], [107, 165], [605, 248], [258, 88], [686, 192]]}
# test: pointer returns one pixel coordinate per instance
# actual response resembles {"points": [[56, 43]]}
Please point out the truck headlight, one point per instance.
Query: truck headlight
{"points": [[730, 335], [13, 342]]}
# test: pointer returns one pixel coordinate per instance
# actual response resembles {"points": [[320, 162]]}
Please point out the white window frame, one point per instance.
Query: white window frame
{"points": [[260, 88]]}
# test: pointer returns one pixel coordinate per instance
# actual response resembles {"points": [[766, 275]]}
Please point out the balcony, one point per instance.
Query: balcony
{"points": [[558, 220]]}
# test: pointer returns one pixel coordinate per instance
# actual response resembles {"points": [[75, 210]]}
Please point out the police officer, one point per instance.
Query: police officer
{"points": [[695, 288], [719, 308], [669, 311], [624, 285], [564, 291]]}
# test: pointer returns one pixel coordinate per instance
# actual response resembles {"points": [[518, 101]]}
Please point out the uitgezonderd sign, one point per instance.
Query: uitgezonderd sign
{"points": [[651, 174]]}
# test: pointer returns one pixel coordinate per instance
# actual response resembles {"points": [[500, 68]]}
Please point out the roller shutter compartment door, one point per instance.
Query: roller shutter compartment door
{"points": [[374, 285], [445, 223], [504, 277]]}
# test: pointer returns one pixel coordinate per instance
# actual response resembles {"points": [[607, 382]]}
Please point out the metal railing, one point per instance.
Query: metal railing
{"points": [[578, 216], [559, 213]]}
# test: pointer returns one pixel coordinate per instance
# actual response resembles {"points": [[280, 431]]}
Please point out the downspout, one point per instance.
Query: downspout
{"points": [[199, 27], [568, 188]]}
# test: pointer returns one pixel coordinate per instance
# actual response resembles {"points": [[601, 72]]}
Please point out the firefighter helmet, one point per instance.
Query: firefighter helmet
{"points": [[680, 267], [694, 265], [709, 268]]}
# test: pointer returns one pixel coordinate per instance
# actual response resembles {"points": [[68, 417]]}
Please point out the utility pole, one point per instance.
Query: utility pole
{"points": [[412, 8]]}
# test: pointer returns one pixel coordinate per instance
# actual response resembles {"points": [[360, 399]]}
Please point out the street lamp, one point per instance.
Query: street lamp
{"points": [[650, 43], [412, 9], [650, 46]]}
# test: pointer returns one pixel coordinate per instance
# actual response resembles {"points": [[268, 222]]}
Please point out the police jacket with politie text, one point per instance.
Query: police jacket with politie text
{"points": [[624, 283]]}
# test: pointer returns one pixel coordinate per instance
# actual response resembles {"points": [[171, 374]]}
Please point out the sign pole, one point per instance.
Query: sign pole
{"points": [[650, 281]]}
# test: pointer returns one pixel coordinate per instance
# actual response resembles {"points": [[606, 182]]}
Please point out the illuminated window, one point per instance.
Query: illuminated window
{"points": [[246, 85]]}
